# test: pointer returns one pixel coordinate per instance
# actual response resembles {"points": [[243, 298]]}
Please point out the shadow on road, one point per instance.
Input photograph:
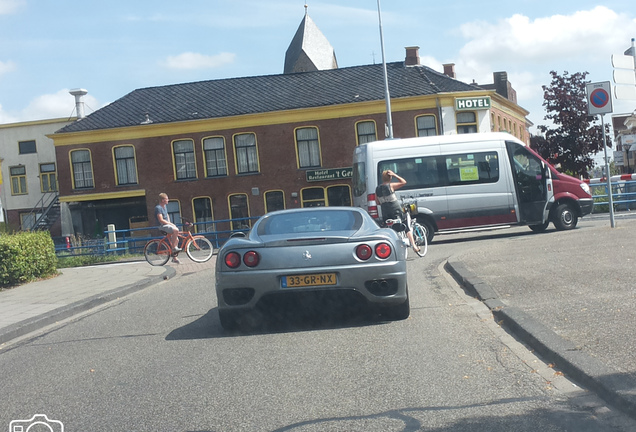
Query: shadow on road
{"points": [[279, 319]]}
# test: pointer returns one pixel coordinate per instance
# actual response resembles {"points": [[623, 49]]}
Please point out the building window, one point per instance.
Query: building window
{"points": [[313, 197], [125, 166], [239, 211], [426, 125], [184, 163], [82, 169], [365, 131], [274, 200], [203, 214], [246, 154], [308, 147], [214, 154], [466, 122], [27, 220], [26, 147], [48, 180], [174, 211], [339, 195], [18, 180]]}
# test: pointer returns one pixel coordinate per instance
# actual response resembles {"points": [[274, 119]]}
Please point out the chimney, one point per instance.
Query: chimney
{"points": [[79, 103], [412, 56], [449, 70]]}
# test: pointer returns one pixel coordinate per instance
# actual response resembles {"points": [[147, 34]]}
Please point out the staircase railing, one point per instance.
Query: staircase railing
{"points": [[41, 210]]}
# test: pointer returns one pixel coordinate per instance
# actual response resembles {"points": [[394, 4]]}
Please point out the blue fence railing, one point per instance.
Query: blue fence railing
{"points": [[132, 241], [623, 194]]}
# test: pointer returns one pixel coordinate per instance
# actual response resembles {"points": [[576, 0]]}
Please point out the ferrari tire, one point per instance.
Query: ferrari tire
{"points": [[397, 312]]}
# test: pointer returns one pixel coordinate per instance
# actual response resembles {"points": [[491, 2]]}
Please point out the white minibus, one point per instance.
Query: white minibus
{"points": [[471, 180]]}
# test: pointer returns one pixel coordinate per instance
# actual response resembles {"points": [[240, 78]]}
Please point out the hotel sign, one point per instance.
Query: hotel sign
{"points": [[329, 174], [474, 103]]}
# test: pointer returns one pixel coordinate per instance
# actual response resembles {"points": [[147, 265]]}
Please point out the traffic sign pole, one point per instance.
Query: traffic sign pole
{"points": [[607, 174]]}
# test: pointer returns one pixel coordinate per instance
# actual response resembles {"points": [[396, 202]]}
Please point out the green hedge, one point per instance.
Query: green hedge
{"points": [[26, 256]]}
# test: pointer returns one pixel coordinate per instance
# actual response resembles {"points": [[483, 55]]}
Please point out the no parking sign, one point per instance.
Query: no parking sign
{"points": [[599, 99]]}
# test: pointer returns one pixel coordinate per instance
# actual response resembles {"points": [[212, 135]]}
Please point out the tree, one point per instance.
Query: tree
{"points": [[577, 136]]}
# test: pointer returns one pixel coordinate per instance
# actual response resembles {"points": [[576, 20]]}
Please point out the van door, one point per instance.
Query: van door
{"points": [[533, 186], [478, 193]]}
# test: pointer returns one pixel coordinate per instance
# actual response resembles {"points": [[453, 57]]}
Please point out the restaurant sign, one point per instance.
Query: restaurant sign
{"points": [[329, 174]]}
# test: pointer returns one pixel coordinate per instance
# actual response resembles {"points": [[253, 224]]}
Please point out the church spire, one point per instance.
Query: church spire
{"points": [[309, 50]]}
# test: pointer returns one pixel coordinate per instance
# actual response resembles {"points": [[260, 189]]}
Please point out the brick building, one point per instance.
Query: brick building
{"points": [[239, 147]]}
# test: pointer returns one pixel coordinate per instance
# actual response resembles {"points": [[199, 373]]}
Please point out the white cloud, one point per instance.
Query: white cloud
{"points": [[48, 106], [584, 33], [7, 66], [190, 60], [10, 6], [529, 48]]}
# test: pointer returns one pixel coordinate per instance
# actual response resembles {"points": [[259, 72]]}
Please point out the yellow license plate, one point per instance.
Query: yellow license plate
{"points": [[321, 279]]}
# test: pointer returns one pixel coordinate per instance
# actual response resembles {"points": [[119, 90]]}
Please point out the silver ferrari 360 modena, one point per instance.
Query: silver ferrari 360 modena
{"points": [[324, 251]]}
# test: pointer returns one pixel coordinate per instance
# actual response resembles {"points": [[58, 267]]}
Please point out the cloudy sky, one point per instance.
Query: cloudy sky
{"points": [[112, 48]]}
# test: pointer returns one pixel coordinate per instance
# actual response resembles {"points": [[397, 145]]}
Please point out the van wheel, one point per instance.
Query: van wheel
{"points": [[540, 227], [565, 218], [428, 228]]}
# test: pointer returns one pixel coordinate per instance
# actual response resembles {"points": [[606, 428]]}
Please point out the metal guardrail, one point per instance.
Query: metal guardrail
{"points": [[133, 241], [623, 195]]}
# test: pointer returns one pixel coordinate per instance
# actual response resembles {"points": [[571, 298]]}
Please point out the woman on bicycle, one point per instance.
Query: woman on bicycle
{"points": [[385, 196], [161, 212]]}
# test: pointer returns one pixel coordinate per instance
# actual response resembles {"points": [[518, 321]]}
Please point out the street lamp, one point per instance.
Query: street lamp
{"points": [[626, 147]]}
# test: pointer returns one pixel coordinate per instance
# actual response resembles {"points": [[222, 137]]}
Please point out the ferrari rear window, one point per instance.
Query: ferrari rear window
{"points": [[310, 221]]}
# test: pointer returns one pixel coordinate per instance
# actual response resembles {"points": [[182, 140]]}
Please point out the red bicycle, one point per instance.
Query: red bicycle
{"points": [[198, 248]]}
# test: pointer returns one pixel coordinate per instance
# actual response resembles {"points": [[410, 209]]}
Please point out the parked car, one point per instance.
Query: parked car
{"points": [[312, 253]]}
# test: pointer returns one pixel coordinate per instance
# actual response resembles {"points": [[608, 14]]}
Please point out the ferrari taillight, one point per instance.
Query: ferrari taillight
{"points": [[251, 259], [383, 250], [364, 252], [233, 259]]}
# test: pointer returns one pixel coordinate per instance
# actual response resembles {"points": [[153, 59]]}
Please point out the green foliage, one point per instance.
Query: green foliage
{"points": [[4, 228], [26, 256], [576, 137]]}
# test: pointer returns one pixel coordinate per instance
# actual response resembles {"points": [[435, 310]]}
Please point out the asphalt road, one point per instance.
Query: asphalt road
{"points": [[158, 360]]}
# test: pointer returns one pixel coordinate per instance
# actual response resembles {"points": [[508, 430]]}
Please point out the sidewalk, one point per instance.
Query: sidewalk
{"points": [[570, 296], [32, 306]]}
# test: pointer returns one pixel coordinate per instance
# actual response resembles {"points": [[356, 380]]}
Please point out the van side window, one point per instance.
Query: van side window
{"points": [[468, 168], [419, 172], [359, 179], [450, 170]]}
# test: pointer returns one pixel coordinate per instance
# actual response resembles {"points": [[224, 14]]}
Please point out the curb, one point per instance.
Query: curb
{"points": [[616, 388], [32, 324]]}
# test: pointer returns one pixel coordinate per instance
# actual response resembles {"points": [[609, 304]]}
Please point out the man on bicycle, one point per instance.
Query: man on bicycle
{"points": [[161, 213], [385, 196]]}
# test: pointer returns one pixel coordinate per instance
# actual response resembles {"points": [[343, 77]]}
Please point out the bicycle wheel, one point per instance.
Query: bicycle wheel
{"points": [[419, 235], [157, 252], [200, 249]]}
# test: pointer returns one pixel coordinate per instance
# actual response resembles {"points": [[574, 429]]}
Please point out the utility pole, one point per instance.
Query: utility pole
{"points": [[387, 96]]}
